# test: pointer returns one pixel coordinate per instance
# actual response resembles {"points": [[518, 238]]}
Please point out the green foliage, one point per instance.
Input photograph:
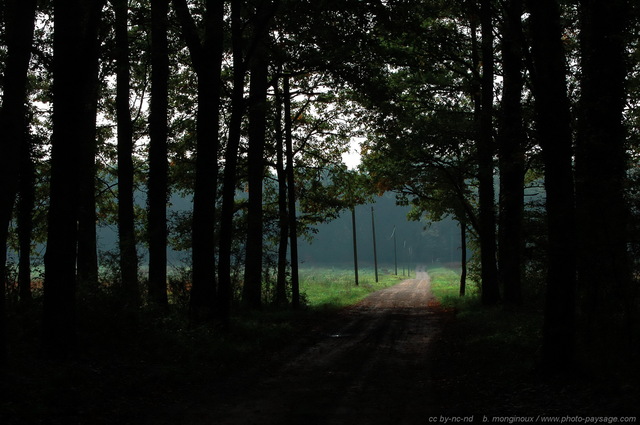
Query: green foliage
{"points": [[179, 281]]}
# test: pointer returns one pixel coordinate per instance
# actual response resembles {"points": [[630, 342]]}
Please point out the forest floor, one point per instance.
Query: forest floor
{"points": [[397, 357], [368, 365]]}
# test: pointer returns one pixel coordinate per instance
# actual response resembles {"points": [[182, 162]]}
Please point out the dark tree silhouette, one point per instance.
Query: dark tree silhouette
{"points": [[230, 165], [511, 157], [206, 57], [19, 26], [601, 163], [26, 201], [87, 262], [554, 135], [291, 195], [463, 257], [486, 193], [252, 288], [158, 168], [126, 216], [283, 219], [74, 102]]}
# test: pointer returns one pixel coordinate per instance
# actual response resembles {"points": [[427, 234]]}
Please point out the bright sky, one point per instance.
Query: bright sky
{"points": [[352, 158]]}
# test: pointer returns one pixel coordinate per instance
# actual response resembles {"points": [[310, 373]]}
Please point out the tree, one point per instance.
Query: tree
{"points": [[485, 151], [74, 98], [283, 223], [19, 26], [463, 257], [26, 201], [230, 165], [252, 288], [126, 215], [511, 156], [554, 135], [157, 185], [206, 56], [607, 298], [291, 196]]}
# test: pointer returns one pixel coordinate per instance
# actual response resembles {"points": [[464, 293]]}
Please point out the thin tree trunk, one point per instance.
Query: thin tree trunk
{"points": [[75, 76], [554, 134], [293, 222], [463, 258], [230, 166], [375, 248], [25, 221], [608, 300], [126, 216], [355, 244], [19, 26], [511, 157], [281, 282], [158, 168]]}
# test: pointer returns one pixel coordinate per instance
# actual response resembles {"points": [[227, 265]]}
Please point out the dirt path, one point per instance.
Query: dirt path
{"points": [[369, 367]]}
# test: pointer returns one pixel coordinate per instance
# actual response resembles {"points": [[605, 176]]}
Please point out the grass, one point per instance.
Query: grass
{"points": [[445, 284], [332, 288], [487, 328]]}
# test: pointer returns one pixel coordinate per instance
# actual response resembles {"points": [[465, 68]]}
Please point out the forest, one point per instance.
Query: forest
{"points": [[512, 124]]}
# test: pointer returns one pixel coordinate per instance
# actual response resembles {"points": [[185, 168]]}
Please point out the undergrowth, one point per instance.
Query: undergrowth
{"points": [[497, 328], [151, 368], [486, 361]]}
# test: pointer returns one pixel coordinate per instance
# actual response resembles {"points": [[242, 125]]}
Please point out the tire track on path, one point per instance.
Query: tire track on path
{"points": [[371, 368]]}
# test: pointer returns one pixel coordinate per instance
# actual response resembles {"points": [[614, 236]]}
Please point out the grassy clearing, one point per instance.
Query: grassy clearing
{"points": [[445, 283], [331, 288]]}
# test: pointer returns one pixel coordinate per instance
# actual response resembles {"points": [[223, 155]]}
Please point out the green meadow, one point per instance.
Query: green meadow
{"points": [[329, 287], [332, 287]]}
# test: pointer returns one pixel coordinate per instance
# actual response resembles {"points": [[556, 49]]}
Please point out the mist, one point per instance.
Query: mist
{"points": [[416, 242]]}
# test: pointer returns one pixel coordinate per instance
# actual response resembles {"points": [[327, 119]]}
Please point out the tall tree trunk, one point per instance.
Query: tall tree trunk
{"points": [[19, 26], [25, 221], [485, 149], [87, 264], [158, 168], [126, 215], [607, 299], [206, 56], [283, 221], [554, 134], [230, 166], [511, 157], [75, 76], [203, 290], [252, 289], [463, 257], [354, 238], [291, 195]]}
